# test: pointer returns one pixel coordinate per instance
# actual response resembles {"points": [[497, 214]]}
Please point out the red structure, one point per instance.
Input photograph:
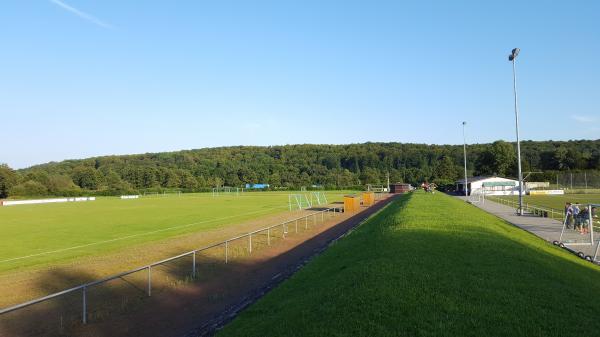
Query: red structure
{"points": [[400, 188]]}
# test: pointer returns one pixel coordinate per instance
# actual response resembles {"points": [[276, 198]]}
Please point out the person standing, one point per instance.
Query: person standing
{"points": [[569, 215]]}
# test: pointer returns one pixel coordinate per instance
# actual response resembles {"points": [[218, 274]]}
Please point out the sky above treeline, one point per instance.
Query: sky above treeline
{"points": [[81, 78]]}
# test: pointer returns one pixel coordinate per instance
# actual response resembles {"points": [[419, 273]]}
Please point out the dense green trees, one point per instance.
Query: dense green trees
{"points": [[290, 166], [8, 178]]}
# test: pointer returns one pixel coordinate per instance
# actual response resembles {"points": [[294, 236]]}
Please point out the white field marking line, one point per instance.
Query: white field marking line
{"points": [[134, 235]]}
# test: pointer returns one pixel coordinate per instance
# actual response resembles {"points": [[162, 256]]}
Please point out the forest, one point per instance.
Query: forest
{"points": [[293, 166]]}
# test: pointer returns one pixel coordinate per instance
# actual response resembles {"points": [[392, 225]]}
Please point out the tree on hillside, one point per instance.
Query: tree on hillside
{"points": [[85, 177], [8, 179], [499, 159]]}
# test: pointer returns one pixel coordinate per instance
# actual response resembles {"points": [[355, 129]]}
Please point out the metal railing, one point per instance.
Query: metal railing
{"points": [[84, 288], [546, 212]]}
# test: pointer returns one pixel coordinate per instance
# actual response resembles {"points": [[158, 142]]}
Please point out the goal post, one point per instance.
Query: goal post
{"points": [[226, 190], [578, 231], [298, 202], [318, 198]]}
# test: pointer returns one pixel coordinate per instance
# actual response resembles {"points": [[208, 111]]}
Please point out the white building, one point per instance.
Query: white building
{"points": [[489, 185]]}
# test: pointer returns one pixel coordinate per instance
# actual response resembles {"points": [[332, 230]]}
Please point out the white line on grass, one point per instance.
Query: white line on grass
{"points": [[135, 235]]}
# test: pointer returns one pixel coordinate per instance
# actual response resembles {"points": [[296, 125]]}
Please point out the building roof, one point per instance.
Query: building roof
{"points": [[480, 178]]}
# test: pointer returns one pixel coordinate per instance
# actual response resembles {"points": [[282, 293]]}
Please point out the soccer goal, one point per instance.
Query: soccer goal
{"points": [[151, 194], [318, 198], [226, 190], [578, 227], [298, 201], [376, 188], [171, 193], [477, 196]]}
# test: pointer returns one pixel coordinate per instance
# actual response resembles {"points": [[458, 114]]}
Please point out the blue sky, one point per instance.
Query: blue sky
{"points": [[80, 78]]}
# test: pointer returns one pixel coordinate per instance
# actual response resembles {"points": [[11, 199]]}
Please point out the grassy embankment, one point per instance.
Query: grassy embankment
{"points": [[432, 265]]}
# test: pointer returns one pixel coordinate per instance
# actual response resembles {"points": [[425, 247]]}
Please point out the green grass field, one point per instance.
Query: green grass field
{"points": [[40, 235], [432, 265], [557, 201]]}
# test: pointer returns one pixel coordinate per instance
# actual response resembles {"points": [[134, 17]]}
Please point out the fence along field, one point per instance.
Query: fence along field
{"points": [[73, 305], [110, 235]]}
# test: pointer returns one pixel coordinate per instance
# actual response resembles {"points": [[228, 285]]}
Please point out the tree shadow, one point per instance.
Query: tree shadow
{"points": [[180, 300]]}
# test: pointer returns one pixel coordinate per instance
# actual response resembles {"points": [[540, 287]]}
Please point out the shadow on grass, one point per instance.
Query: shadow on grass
{"points": [[390, 279], [179, 301]]}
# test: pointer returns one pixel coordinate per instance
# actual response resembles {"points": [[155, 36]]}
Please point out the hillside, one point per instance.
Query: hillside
{"points": [[292, 166]]}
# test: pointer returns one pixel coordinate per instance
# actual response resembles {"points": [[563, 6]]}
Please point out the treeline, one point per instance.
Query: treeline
{"points": [[293, 166]]}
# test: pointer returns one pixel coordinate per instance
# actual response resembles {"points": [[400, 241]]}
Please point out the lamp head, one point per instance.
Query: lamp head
{"points": [[513, 54]]}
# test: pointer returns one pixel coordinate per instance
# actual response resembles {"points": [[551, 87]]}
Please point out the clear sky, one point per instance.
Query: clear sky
{"points": [[80, 78]]}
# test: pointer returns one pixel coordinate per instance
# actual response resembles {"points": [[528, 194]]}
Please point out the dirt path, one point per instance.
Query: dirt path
{"points": [[197, 308]]}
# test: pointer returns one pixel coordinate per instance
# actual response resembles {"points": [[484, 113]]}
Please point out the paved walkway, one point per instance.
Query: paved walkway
{"points": [[545, 228]]}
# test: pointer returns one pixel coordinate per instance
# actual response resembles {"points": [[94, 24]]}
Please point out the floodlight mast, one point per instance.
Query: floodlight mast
{"points": [[512, 58], [465, 158]]}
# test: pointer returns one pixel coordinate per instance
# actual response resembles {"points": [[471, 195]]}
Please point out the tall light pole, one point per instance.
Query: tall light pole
{"points": [[465, 157], [513, 58]]}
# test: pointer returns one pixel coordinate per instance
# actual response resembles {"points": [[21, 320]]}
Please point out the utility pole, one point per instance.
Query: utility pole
{"points": [[465, 159]]}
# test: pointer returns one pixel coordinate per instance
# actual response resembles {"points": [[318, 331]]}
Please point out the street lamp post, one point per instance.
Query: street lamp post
{"points": [[513, 57], [465, 158]]}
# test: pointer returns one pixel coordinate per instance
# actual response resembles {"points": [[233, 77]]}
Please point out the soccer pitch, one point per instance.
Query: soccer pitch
{"points": [[41, 235], [556, 201]]}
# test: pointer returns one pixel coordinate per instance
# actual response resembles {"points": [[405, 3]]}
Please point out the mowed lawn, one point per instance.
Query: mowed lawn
{"points": [[432, 265], [39, 235], [557, 201]]}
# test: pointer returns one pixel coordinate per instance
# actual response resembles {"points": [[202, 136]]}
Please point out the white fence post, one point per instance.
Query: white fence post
{"points": [[194, 264]]}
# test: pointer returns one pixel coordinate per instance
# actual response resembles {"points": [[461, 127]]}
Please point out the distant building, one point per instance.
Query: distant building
{"points": [[490, 185], [257, 186], [400, 188]]}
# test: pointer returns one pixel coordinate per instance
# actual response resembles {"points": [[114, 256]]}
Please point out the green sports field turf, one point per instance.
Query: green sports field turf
{"points": [[39, 235], [432, 265], [557, 201]]}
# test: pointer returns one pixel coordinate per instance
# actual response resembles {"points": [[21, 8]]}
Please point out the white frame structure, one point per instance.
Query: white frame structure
{"points": [[216, 191], [168, 193], [299, 201], [477, 196], [591, 227], [319, 198]]}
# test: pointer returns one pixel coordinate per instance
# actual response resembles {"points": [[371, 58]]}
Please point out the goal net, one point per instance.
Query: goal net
{"points": [[171, 193], [226, 190], [298, 202], [318, 198], [477, 196], [578, 231]]}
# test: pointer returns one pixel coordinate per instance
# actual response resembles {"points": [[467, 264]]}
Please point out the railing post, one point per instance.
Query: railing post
{"points": [[226, 251], [306, 222], [314, 219], [269, 236], [250, 242], [322, 216], [149, 280], [84, 311], [296, 225], [194, 264]]}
